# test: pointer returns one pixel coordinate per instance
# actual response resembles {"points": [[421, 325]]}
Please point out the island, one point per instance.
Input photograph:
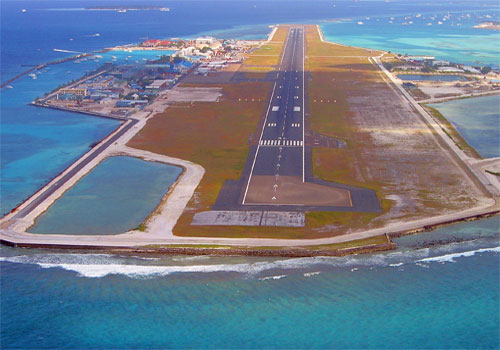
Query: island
{"points": [[290, 146], [488, 25], [127, 8]]}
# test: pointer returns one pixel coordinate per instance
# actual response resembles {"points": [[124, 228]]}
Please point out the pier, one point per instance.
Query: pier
{"points": [[43, 65]]}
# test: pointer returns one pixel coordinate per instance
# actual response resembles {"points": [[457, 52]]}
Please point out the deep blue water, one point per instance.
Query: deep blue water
{"points": [[446, 296], [52, 299], [115, 197]]}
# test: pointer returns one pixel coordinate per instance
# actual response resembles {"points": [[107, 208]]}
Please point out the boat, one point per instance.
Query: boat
{"points": [[9, 87], [360, 23], [165, 9], [122, 11], [32, 75], [24, 10]]}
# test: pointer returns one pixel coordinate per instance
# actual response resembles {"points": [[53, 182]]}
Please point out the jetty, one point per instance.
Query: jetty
{"points": [[43, 65]]}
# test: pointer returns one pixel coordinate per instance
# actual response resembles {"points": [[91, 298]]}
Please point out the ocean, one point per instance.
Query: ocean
{"points": [[439, 290]]}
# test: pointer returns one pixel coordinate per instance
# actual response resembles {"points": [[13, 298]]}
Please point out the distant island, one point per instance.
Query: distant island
{"points": [[127, 8], [488, 25]]}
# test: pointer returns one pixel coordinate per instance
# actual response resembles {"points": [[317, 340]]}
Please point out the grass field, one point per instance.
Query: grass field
{"points": [[389, 149]]}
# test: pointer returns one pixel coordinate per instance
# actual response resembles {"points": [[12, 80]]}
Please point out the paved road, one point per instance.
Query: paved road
{"points": [[55, 186], [280, 149]]}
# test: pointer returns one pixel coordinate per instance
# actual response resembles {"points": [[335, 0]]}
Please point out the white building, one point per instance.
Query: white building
{"points": [[157, 84], [209, 41]]}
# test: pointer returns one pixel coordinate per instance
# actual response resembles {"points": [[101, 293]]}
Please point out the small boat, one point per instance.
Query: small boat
{"points": [[165, 9], [9, 87], [122, 11], [360, 23], [24, 10], [32, 75]]}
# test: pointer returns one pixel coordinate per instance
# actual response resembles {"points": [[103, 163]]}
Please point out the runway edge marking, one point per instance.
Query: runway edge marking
{"points": [[265, 121]]}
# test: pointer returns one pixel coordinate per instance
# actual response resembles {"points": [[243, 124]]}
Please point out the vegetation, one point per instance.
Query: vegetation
{"points": [[496, 173], [358, 243], [223, 137]]}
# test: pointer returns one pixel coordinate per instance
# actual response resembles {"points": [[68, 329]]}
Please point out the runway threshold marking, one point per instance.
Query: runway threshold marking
{"points": [[280, 143]]}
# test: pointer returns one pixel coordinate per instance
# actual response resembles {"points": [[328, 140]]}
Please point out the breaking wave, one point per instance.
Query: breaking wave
{"points": [[101, 265], [272, 278], [451, 257]]}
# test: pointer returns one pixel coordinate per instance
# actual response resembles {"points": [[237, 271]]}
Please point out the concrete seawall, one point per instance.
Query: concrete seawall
{"points": [[288, 253]]}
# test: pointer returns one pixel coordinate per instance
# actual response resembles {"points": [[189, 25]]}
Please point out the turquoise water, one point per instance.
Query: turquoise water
{"points": [[443, 296], [113, 198], [36, 144], [478, 121], [455, 39], [419, 77], [438, 290]]}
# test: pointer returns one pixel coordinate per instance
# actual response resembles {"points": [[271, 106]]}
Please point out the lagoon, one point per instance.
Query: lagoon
{"points": [[115, 197], [477, 120]]}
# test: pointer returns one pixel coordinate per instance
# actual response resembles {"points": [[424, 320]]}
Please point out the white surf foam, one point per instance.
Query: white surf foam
{"points": [[100, 265], [310, 274], [272, 278], [451, 257], [396, 265]]}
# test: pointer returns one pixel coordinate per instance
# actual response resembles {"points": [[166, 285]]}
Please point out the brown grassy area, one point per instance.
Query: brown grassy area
{"points": [[214, 135], [280, 34], [266, 57], [380, 239], [389, 149]]}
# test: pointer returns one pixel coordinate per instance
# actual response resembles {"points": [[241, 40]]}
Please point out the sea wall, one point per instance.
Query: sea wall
{"points": [[290, 253]]}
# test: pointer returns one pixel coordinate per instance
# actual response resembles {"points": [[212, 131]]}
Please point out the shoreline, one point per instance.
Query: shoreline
{"points": [[161, 221]]}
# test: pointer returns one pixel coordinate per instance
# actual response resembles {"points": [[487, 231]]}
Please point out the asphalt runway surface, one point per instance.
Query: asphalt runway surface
{"points": [[281, 150]]}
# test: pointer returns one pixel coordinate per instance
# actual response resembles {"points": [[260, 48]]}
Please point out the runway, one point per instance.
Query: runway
{"points": [[278, 173], [280, 149]]}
